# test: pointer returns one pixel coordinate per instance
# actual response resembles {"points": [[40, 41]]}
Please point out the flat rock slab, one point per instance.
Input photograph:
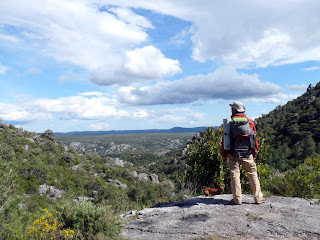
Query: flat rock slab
{"points": [[217, 218]]}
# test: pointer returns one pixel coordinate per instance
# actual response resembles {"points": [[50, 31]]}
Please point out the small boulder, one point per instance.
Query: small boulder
{"points": [[143, 176], [154, 178]]}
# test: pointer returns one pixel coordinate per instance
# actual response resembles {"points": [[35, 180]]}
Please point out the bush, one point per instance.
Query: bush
{"points": [[47, 227], [15, 219], [204, 160], [303, 182], [88, 219]]}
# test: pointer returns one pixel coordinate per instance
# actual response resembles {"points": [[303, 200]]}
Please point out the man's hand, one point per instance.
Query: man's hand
{"points": [[224, 159]]}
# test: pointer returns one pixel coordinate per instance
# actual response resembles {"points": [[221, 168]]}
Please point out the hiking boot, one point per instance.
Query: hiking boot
{"points": [[235, 203], [262, 200]]}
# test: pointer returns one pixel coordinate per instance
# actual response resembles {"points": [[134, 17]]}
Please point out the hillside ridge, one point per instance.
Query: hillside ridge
{"points": [[116, 132]]}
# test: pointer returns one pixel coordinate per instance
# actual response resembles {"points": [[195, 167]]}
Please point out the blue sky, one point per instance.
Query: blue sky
{"points": [[114, 65]]}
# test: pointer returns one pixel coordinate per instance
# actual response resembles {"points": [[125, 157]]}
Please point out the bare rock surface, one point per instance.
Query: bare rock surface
{"points": [[205, 217]]}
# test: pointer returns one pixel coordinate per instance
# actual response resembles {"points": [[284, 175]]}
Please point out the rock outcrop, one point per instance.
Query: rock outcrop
{"points": [[154, 178], [217, 218], [50, 191]]}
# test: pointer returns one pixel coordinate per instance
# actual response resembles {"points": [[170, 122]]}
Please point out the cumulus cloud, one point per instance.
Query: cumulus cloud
{"points": [[140, 64], [100, 38], [93, 106], [77, 32], [12, 112], [80, 107], [67, 108], [246, 33], [225, 83], [128, 16]]}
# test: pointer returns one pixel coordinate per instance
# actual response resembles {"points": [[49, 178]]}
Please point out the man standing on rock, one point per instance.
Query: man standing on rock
{"points": [[243, 150]]}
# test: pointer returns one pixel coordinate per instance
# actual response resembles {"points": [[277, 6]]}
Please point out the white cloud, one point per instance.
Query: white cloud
{"points": [[140, 114], [74, 31], [301, 87], [239, 32], [173, 119], [149, 62], [311, 68], [7, 37], [225, 83], [279, 98], [98, 94], [243, 32], [3, 69], [128, 16], [100, 126], [12, 112], [80, 107], [183, 35], [91, 106], [177, 116], [140, 64], [273, 48]]}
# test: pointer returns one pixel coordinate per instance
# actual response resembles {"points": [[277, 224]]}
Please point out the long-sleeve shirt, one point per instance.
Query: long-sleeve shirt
{"points": [[224, 153]]}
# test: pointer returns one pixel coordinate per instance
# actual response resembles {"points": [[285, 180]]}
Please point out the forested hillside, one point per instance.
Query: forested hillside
{"points": [[52, 192], [293, 130]]}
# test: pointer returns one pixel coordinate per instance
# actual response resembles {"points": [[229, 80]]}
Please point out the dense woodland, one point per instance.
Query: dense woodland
{"points": [[54, 191], [292, 130]]}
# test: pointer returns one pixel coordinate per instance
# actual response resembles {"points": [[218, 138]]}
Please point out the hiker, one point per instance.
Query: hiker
{"points": [[244, 149]]}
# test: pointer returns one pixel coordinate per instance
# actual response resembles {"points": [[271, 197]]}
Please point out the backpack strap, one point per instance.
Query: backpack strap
{"points": [[238, 119]]}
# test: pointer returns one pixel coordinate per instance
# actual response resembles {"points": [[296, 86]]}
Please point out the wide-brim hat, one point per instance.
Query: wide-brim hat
{"points": [[238, 106]]}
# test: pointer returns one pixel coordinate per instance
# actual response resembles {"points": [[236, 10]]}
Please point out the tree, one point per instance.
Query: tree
{"points": [[204, 160], [309, 147]]}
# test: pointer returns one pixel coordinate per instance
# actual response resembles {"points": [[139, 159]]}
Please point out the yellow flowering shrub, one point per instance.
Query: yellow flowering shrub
{"points": [[47, 227]]}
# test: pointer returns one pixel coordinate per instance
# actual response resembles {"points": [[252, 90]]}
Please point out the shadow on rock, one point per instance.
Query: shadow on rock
{"points": [[197, 201]]}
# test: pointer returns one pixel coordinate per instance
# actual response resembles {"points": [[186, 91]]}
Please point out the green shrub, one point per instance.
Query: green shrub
{"points": [[88, 219], [48, 227], [204, 160], [15, 219], [303, 182]]}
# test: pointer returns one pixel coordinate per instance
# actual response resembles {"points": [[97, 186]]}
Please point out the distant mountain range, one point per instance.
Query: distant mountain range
{"points": [[113, 132]]}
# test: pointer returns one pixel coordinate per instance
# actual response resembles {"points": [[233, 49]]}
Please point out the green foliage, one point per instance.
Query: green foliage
{"points": [[304, 181], [171, 166], [204, 160], [8, 180], [29, 160], [292, 131], [15, 213], [88, 219], [48, 227], [139, 149]]}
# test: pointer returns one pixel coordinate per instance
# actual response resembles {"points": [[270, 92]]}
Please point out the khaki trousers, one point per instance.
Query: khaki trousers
{"points": [[250, 167]]}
